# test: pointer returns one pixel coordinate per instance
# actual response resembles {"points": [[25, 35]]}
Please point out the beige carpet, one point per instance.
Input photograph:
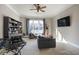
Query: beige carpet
{"points": [[31, 48]]}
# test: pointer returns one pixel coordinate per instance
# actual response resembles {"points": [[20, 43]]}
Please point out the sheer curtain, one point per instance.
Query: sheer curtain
{"points": [[36, 26]]}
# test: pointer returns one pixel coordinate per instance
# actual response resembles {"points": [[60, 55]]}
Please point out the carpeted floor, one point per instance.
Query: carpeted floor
{"points": [[31, 48]]}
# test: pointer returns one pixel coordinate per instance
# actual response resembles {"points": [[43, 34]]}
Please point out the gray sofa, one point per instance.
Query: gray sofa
{"points": [[44, 42]]}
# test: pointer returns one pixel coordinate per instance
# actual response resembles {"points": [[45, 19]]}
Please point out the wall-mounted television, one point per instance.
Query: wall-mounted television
{"points": [[62, 22]]}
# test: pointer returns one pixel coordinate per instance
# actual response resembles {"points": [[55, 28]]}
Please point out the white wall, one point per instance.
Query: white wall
{"points": [[49, 23], [23, 20], [6, 11], [71, 33]]}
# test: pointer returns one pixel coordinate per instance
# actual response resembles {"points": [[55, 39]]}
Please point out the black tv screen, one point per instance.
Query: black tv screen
{"points": [[65, 21]]}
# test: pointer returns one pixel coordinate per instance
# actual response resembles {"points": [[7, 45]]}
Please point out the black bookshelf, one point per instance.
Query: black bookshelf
{"points": [[12, 33], [12, 28]]}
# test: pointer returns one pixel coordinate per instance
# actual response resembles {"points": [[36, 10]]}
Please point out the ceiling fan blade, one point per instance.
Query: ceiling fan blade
{"points": [[33, 9], [42, 10], [35, 5], [38, 7], [43, 7]]}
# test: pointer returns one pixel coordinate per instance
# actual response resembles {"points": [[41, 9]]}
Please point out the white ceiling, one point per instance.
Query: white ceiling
{"points": [[50, 11]]}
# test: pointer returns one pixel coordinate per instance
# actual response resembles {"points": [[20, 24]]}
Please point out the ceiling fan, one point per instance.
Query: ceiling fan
{"points": [[39, 8]]}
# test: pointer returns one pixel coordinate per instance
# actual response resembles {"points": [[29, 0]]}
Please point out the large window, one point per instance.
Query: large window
{"points": [[36, 27]]}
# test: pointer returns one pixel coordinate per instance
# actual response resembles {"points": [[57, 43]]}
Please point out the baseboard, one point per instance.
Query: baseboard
{"points": [[75, 45], [72, 44]]}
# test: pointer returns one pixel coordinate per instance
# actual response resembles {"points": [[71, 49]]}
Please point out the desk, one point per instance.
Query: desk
{"points": [[16, 51]]}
